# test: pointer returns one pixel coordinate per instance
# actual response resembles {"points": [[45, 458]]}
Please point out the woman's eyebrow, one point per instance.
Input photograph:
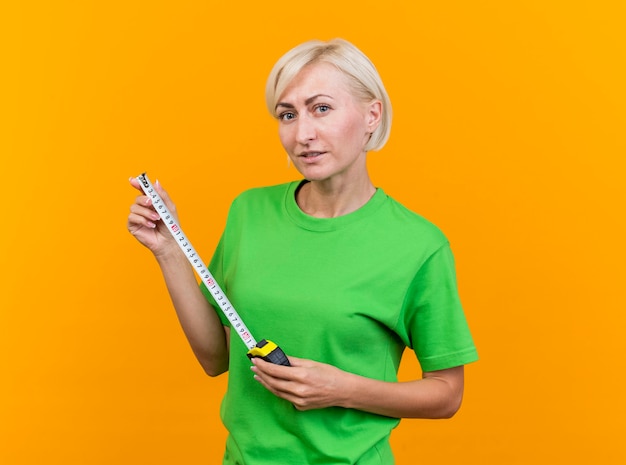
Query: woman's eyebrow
{"points": [[306, 102]]}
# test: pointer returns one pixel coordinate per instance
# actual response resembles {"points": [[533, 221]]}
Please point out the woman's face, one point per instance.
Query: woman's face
{"points": [[323, 127]]}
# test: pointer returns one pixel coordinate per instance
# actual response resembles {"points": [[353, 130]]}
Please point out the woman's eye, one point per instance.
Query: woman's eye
{"points": [[322, 108], [286, 116]]}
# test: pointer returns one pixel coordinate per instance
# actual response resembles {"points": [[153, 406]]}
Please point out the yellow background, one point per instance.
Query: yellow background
{"points": [[509, 133]]}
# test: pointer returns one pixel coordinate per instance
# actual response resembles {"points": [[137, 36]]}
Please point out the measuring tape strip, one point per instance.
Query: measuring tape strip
{"points": [[198, 265]]}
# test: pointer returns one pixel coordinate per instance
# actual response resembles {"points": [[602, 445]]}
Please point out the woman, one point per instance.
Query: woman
{"points": [[340, 275]]}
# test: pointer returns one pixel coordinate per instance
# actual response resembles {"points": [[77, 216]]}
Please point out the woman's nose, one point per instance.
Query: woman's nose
{"points": [[305, 131]]}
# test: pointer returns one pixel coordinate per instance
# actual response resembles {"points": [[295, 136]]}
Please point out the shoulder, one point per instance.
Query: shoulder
{"points": [[264, 194], [259, 196], [412, 224], [259, 201]]}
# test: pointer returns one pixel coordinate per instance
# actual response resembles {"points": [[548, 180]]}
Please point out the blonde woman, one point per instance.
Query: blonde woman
{"points": [[355, 278]]}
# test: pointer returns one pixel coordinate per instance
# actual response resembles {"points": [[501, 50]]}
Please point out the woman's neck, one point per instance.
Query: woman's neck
{"points": [[320, 200]]}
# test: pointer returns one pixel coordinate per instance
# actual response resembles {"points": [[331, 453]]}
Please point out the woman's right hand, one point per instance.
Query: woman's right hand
{"points": [[204, 330], [145, 224]]}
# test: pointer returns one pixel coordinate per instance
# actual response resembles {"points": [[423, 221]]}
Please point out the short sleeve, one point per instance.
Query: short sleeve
{"points": [[432, 318]]}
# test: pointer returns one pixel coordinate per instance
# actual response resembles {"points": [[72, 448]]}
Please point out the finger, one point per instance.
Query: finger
{"points": [[135, 183], [143, 204], [142, 213], [143, 199], [275, 371], [143, 207], [162, 193], [136, 222], [276, 386]]}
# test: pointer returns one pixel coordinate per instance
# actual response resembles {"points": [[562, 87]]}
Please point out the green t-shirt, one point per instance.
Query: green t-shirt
{"points": [[351, 291]]}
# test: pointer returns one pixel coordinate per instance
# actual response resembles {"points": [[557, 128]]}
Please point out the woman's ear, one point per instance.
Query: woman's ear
{"points": [[374, 115]]}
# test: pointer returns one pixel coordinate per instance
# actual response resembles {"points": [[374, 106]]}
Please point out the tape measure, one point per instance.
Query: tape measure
{"points": [[264, 349]]}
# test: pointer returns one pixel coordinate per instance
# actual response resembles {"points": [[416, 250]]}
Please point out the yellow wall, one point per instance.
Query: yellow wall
{"points": [[509, 133]]}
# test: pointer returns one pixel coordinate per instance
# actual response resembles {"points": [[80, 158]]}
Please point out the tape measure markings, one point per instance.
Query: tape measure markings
{"points": [[200, 268]]}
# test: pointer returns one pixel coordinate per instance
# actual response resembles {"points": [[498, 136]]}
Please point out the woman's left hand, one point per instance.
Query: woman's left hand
{"points": [[306, 384], [311, 385]]}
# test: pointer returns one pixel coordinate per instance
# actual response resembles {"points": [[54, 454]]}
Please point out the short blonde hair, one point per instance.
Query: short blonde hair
{"points": [[362, 76]]}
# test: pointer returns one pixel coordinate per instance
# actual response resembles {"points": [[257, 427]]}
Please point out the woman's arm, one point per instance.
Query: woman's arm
{"points": [[310, 385], [203, 328]]}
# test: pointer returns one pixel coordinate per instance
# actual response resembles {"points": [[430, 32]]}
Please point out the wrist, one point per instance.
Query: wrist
{"points": [[169, 253], [348, 386]]}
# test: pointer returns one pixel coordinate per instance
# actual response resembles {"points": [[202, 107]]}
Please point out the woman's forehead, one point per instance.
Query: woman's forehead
{"points": [[319, 78]]}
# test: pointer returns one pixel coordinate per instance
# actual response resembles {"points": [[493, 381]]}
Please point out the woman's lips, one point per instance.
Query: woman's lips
{"points": [[310, 157]]}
